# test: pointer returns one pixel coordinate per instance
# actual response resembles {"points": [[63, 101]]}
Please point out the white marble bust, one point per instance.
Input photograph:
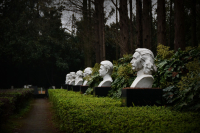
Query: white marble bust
{"points": [[105, 72], [87, 72], [79, 78], [67, 79], [143, 63], [73, 76]]}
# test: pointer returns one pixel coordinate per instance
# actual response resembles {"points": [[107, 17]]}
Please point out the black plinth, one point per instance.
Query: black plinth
{"points": [[76, 88], [101, 91], [69, 87], [83, 89], [141, 96], [64, 86]]}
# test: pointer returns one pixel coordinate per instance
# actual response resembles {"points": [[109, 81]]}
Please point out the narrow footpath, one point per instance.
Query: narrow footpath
{"points": [[39, 119]]}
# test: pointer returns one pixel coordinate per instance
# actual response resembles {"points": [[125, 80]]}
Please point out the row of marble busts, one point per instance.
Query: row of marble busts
{"points": [[142, 62], [77, 78], [105, 72]]}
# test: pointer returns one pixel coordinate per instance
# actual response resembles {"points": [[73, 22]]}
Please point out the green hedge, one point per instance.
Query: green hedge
{"points": [[12, 100], [85, 113]]}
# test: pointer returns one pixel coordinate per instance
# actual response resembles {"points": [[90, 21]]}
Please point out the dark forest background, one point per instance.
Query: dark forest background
{"points": [[35, 49]]}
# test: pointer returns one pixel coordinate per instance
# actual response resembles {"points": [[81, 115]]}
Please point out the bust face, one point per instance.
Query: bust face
{"points": [[87, 72], [102, 71], [79, 73], [136, 62], [70, 77], [73, 74]]}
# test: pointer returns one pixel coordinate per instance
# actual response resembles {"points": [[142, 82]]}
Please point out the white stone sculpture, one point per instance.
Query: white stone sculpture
{"points": [[143, 62], [105, 72], [73, 76], [86, 73], [79, 78], [67, 79]]}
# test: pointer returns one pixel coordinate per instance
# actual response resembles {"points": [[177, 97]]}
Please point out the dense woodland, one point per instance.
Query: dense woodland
{"points": [[36, 49]]}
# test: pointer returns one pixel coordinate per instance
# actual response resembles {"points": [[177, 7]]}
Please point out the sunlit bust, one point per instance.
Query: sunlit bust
{"points": [[105, 72], [87, 72], [73, 76], [67, 79], [143, 63], [79, 78]]}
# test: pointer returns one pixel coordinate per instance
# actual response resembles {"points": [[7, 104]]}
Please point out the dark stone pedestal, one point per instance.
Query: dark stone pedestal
{"points": [[141, 96], [76, 87], [101, 91], [69, 87], [64, 86], [83, 89]]}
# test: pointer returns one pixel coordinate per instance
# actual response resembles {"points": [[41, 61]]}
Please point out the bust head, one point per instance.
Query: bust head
{"points": [[73, 75], [79, 73], [143, 59], [67, 78], [87, 71], [106, 68]]}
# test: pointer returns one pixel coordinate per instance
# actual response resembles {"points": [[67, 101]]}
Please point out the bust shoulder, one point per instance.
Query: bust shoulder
{"points": [[105, 83], [145, 81]]}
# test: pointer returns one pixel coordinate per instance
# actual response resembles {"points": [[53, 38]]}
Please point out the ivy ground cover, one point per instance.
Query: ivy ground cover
{"points": [[84, 113]]}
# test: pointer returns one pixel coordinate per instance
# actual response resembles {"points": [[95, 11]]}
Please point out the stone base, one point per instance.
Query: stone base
{"points": [[141, 96], [101, 91], [83, 89], [76, 88], [69, 87], [64, 86]]}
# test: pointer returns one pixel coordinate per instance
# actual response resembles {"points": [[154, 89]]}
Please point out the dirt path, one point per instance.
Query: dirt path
{"points": [[39, 119]]}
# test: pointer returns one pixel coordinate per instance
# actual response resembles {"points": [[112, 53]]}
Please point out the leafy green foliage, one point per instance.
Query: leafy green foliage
{"points": [[94, 79], [122, 75], [12, 101], [177, 76], [85, 113]]}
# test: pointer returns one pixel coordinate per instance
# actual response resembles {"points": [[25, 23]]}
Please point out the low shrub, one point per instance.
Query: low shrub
{"points": [[12, 100], [85, 113]]}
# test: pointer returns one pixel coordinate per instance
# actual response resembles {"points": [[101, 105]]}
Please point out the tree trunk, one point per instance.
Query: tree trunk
{"points": [[99, 29], [146, 24], [85, 38], [161, 22], [90, 38], [117, 46], [193, 12], [131, 27], [139, 24], [124, 33], [179, 41]]}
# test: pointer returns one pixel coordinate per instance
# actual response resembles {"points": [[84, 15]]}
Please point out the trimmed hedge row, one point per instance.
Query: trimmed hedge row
{"points": [[85, 113], [12, 100]]}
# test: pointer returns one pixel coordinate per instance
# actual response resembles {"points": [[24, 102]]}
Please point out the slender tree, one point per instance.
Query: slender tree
{"points": [[124, 32], [146, 24], [117, 46], [131, 26], [161, 33], [139, 31], [194, 27], [179, 41], [99, 30]]}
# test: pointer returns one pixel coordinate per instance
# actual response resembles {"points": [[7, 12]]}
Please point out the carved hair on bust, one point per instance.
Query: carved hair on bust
{"points": [[73, 76], [87, 72], [105, 71], [143, 62], [108, 65], [146, 58], [67, 79], [79, 79]]}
